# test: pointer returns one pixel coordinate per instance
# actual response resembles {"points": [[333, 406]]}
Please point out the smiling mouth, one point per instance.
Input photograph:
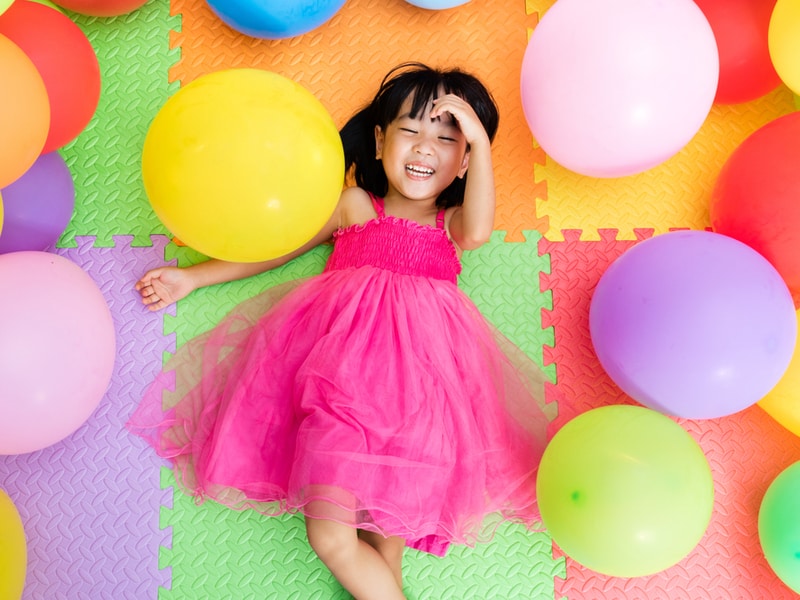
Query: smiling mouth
{"points": [[419, 170]]}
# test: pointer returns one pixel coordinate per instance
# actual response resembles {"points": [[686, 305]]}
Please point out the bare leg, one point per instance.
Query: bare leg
{"points": [[390, 549], [356, 564]]}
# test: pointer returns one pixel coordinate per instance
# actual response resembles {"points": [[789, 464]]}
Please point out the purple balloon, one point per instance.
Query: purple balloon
{"points": [[38, 205], [693, 324]]}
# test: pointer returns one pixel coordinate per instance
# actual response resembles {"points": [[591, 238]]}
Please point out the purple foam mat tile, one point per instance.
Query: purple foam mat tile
{"points": [[90, 503]]}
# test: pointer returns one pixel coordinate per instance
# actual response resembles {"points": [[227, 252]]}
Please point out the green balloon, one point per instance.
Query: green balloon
{"points": [[625, 491], [779, 526]]}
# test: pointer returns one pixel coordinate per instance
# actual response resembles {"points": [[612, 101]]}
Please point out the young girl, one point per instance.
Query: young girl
{"points": [[373, 398]]}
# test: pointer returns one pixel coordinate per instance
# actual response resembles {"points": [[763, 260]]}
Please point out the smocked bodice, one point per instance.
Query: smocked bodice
{"points": [[397, 245]]}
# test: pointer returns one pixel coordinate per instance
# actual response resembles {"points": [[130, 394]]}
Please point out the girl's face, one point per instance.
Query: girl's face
{"points": [[421, 156]]}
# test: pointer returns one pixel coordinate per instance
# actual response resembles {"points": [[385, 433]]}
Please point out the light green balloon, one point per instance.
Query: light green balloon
{"points": [[779, 526], [4, 4], [625, 491], [48, 3]]}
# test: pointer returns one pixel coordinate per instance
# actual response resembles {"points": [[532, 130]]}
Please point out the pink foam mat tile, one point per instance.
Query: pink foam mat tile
{"points": [[746, 451], [90, 503]]}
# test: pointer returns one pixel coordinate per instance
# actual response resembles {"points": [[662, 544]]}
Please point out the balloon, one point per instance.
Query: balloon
{"points": [[693, 324], [437, 4], [4, 4], [783, 401], [624, 491], [274, 19], [66, 61], [755, 196], [740, 28], [49, 4], [779, 526], [102, 8], [56, 353], [24, 115], [13, 550], [612, 89], [38, 205], [784, 42], [243, 165]]}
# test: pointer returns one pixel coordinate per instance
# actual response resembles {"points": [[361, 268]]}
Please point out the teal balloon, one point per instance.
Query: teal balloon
{"points": [[625, 491], [779, 526]]}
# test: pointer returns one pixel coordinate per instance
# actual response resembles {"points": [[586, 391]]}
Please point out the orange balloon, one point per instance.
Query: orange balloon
{"points": [[24, 112]]}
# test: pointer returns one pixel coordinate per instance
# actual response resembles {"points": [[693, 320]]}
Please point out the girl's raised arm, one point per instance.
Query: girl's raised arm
{"points": [[472, 223]]}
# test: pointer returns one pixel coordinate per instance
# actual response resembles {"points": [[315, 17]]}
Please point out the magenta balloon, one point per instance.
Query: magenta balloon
{"points": [[617, 87], [38, 206], [693, 324], [57, 349]]}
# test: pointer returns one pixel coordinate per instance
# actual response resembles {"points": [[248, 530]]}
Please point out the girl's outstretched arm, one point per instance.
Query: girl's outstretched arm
{"points": [[471, 224], [163, 286]]}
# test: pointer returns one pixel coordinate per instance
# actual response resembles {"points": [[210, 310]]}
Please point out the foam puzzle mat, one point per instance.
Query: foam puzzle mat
{"points": [[101, 517]]}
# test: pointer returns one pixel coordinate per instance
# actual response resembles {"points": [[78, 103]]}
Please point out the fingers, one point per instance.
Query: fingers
{"points": [[151, 298], [462, 112], [147, 279], [149, 294]]}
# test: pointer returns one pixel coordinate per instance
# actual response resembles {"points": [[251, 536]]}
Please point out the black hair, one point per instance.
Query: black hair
{"points": [[424, 84]]}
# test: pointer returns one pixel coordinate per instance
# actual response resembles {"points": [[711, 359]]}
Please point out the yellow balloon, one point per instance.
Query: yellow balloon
{"points": [[243, 165], [783, 38], [13, 550], [783, 401]]}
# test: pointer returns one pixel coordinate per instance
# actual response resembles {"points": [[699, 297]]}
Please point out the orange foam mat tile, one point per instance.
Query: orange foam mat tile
{"points": [[746, 451], [343, 62]]}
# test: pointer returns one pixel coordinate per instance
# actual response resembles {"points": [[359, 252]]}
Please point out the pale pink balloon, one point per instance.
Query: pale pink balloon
{"points": [[615, 87], [57, 349]]}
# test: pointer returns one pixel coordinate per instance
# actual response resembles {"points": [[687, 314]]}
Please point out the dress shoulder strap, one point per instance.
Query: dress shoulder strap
{"points": [[440, 219], [377, 204]]}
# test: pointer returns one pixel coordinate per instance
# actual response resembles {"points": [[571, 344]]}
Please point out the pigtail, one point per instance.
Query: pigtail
{"points": [[358, 141]]}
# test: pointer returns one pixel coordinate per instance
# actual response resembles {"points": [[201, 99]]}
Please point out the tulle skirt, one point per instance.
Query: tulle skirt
{"points": [[382, 401]]}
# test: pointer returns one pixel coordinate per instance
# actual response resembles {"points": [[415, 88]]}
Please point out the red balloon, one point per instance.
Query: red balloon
{"points": [[756, 198], [101, 8], [66, 61], [745, 67]]}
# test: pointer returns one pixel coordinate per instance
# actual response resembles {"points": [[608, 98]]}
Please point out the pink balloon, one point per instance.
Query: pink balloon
{"points": [[57, 349], [615, 87]]}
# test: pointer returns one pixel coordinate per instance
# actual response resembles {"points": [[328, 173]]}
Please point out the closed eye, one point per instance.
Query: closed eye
{"points": [[446, 139], [407, 130]]}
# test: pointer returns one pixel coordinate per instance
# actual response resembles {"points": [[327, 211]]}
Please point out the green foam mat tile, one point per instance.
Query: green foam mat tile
{"points": [[503, 281], [221, 553], [105, 159]]}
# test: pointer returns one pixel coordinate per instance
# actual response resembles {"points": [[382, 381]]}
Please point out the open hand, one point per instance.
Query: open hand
{"points": [[163, 286]]}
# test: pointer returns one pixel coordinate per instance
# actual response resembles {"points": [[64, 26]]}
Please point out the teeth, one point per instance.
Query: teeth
{"points": [[420, 170]]}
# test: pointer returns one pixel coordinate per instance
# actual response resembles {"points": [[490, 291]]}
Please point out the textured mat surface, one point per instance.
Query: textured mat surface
{"points": [[218, 553], [746, 451], [89, 504], [98, 508]]}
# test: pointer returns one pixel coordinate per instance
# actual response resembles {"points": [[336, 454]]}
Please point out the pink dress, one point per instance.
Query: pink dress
{"points": [[374, 394]]}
